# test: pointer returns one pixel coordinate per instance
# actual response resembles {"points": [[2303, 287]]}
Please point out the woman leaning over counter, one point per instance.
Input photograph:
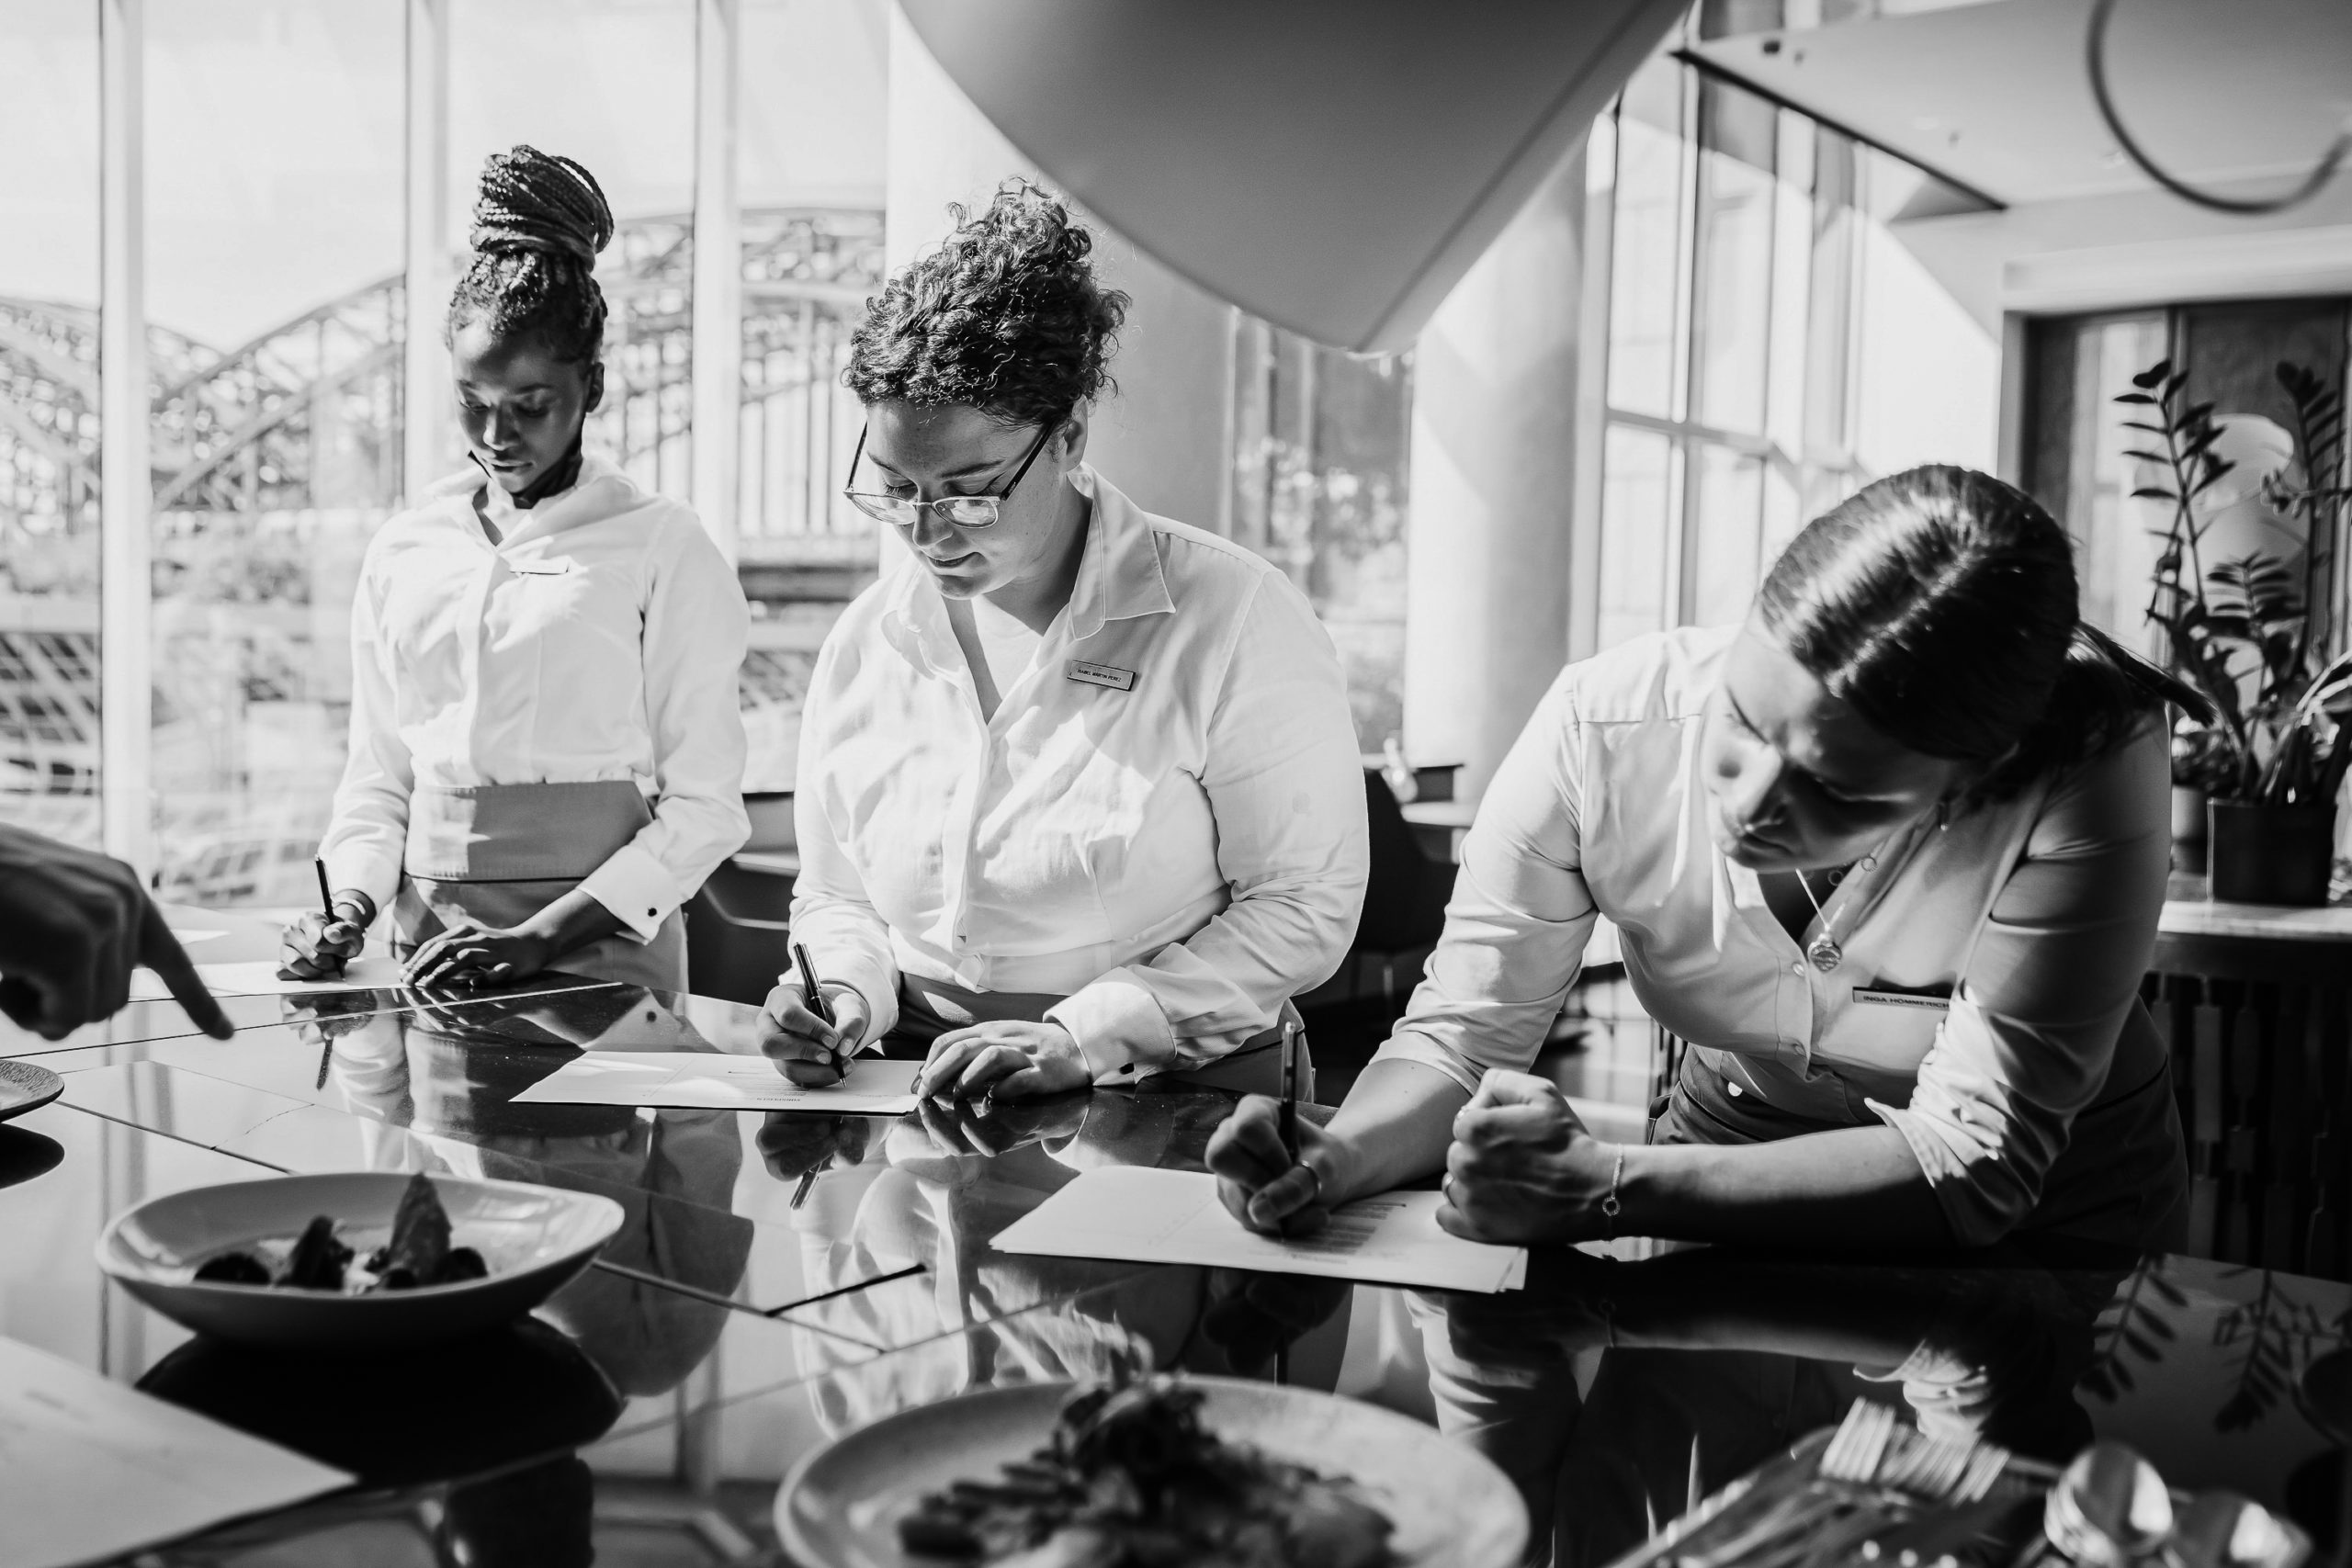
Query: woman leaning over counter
{"points": [[547, 757], [1889, 856], [1080, 797]]}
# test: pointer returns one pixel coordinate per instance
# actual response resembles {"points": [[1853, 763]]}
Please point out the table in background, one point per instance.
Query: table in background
{"points": [[650, 1411]]}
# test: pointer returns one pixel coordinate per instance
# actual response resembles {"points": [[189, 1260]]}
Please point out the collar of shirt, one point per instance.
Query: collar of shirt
{"points": [[602, 491], [1119, 577]]}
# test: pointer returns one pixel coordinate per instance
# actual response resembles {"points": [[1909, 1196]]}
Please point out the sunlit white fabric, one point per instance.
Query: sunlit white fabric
{"points": [[1175, 858], [2035, 916], [599, 639]]}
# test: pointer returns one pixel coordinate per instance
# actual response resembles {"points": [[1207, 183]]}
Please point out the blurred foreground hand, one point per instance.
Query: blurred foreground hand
{"points": [[73, 926]]}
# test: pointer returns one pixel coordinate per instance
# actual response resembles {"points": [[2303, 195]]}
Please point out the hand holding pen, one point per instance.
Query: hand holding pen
{"points": [[808, 1032], [317, 946]]}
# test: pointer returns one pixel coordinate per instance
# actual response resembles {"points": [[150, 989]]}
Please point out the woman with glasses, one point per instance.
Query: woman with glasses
{"points": [[1080, 797], [547, 754], [1889, 856]]}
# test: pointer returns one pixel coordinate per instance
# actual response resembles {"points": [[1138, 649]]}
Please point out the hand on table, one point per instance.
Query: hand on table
{"points": [[315, 948], [470, 954], [1253, 1317], [1522, 1168], [805, 1048], [73, 926], [1261, 1186], [1009, 1059]]}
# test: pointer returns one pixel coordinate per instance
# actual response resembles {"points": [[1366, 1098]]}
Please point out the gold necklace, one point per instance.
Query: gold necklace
{"points": [[1824, 949]]}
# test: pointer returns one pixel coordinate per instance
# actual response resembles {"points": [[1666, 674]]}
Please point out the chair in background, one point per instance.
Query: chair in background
{"points": [[737, 936]]}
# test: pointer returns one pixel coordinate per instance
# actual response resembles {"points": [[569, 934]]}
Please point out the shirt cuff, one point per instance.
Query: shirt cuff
{"points": [[1120, 1030], [1409, 1046], [1953, 1175], [636, 889], [364, 871]]}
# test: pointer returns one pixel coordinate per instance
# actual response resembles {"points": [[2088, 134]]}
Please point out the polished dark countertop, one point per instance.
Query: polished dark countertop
{"points": [[650, 1410]]}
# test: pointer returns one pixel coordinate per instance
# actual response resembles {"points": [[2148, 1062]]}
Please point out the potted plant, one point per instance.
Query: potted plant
{"points": [[2249, 632]]}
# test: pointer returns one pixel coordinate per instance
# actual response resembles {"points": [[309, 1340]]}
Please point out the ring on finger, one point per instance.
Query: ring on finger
{"points": [[1312, 1175]]}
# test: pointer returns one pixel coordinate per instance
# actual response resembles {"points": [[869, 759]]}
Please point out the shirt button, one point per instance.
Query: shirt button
{"points": [[1796, 968], [1732, 1088]]}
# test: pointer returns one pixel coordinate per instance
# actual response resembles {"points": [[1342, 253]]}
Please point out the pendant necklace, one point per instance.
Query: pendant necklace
{"points": [[1824, 949]]}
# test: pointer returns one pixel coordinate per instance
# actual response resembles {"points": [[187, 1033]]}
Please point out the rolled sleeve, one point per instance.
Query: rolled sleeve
{"points": [[1521, 914], [695, 628], [2045, 993], [368, 836], [1285, 783]]}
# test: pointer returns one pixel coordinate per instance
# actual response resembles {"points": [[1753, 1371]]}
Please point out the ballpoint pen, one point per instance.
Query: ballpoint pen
{"points": [[326, 898], [1286, 1115], [815, 999]]}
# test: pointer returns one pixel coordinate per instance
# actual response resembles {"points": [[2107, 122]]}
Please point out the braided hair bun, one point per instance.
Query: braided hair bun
{"points": [[538, 223], [1006, 315]]}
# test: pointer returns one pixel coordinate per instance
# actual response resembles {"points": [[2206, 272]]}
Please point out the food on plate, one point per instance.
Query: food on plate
{"points": [[417, 1253], [1132, 1479]]}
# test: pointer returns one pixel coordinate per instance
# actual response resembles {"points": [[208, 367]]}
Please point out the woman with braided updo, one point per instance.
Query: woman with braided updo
{"points": [[546, 755], [1079, 796]]}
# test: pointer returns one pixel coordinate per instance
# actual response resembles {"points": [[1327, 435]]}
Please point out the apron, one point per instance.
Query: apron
{"points": [[929, 1009], [2122, 1176], [500, 853]]}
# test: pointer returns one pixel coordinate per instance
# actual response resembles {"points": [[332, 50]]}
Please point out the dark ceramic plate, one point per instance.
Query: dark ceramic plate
{"points": [[24, 1087]]}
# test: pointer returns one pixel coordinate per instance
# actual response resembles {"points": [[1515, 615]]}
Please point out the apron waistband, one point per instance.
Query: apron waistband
{"points": [[532, 832]]}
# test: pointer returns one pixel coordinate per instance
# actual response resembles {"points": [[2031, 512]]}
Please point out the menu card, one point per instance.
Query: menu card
{"points": [[1174, 1216], [90, 1469]]}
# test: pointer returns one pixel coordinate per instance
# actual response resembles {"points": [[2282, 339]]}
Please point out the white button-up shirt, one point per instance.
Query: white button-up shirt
{"points": [[1990, 964], [600, 638], [1163, 823]]}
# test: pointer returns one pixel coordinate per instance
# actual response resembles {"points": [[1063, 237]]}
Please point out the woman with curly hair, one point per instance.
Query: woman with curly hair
{"points": [[546, 755], [1080, 798]]}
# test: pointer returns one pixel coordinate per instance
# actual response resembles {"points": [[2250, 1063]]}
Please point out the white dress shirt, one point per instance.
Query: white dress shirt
{"points": [[600, 638], [1991, 962], [1163, 823]]}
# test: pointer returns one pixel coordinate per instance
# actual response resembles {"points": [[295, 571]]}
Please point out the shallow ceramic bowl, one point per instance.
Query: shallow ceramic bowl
{"points": [[841, 1506], [533, 1238], [24, 1087]]}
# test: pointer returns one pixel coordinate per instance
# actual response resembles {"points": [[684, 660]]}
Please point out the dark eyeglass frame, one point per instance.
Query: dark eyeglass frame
{"points": [[983, 509]]}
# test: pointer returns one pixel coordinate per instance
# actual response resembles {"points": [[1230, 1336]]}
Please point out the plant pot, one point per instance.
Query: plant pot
{"points": [[2270, 854], [2188, 814]]}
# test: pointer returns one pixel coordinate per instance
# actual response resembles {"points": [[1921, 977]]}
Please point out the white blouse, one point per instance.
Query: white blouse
{"points": [[1990, 963], [1163, 823], [600, 638]]}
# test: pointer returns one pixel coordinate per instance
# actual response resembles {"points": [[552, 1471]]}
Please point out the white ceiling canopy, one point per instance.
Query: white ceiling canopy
{"points": [[1331, 165]]}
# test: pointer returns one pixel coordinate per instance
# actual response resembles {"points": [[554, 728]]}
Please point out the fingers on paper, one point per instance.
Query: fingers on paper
{"points": [[162, 952]]}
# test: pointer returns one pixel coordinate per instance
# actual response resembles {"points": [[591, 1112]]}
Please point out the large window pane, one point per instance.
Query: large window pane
{"points": [[1645, 271], [274, 306], [1733, 309], [1727, 534], [1638, 505], [48, 413]]}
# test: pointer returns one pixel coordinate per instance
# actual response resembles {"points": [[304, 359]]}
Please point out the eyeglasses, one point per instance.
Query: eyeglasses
{"points": [[963, 511]]}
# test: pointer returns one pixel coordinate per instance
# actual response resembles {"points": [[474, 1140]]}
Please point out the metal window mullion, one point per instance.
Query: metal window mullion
{"points": [[424, 374], [717, 303], [126, 614]]}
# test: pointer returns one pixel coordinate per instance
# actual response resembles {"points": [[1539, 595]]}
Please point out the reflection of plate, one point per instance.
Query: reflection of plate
{"points": [[404, 1417], [2325, 1392], [534, 1238], [841, 1505], [24, 1087]]}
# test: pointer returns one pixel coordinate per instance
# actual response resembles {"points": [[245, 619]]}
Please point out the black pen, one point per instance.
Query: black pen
{"points": [[814, 997], [800, 1193], [1286, 1116], [326, 898]]}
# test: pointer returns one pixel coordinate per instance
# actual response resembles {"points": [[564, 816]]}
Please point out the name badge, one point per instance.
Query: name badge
{"points": [[1879, 997], [1108, 675], [559, 566]]}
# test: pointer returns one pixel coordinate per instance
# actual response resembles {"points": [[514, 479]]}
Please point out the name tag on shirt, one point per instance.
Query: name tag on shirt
{"points": [[558, 567], [1108, 675], [1884, 997]]}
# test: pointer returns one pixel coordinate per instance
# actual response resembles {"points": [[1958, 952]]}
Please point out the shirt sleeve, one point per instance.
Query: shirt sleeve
{"points": [[695, 625], [368, 837], [848, 940], [2045, 993], [1284, 783], [1516, 928]]}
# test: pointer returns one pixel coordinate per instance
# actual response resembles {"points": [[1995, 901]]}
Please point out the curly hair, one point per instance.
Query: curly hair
{"points": [[1006, 315], [1941, 604], [538, 224]]}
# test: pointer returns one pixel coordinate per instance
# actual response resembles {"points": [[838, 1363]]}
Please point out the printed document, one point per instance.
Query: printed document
{"points": [[710, 1081], [90, 1469], [1174, 1216]]}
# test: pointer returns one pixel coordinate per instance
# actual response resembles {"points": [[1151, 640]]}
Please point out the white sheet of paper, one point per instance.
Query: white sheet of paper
{"points": [[90, 1469], [708, 1081], [259, 979], [1174, 1216]]}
